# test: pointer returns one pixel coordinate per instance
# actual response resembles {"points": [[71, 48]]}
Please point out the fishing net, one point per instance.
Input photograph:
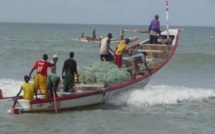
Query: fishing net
{"points": [[104, 73]]}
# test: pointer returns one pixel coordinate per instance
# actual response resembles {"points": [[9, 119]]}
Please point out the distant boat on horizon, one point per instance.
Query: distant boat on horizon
{"points": [[212, 35]]}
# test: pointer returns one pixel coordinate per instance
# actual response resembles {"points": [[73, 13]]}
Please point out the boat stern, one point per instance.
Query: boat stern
{"points": [[24, 107]]}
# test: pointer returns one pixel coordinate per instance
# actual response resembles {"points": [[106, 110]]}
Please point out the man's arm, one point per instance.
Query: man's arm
{"points": [[143, 57], [76, 71], [108, 45], [150, 27], [158, 26], [19, 92], [63, 70], [146, 65], [100, 45], [31, 73]]}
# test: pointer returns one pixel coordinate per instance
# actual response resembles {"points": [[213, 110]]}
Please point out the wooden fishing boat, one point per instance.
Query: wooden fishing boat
{"points": [[212, 35], [89, 40], [132, 39], [158, 56]]}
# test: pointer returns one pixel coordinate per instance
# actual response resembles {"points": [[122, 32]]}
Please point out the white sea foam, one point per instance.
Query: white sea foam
{"points": [[149, 96], [161, 95], [10, 87]]}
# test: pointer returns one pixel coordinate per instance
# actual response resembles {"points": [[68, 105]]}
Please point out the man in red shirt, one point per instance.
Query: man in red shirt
{"points": [[40, 79]]}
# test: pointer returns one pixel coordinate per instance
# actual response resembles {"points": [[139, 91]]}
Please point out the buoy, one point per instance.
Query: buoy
{"points": [[1, 97]]}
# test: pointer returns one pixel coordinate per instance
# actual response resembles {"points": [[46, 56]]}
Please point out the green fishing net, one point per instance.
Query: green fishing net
{"points": [[105, 73]]}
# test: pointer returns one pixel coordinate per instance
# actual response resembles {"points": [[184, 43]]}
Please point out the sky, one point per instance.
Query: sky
{"points": [[122, 12]]}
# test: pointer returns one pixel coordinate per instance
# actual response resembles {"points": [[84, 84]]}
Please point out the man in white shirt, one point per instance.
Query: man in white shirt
{"points": [[104, 46]]}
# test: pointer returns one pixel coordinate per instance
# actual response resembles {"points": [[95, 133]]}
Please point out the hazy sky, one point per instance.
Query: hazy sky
{"points": [[132, 12]]}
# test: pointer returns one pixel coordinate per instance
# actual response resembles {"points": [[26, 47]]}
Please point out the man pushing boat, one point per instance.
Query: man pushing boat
{"points": [[40, 79]]}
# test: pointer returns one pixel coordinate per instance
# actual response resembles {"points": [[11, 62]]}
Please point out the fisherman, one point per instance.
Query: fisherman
{"points": [[28, 89], [120, 51], [40, 80], [135, 59], [53, 79], [154, 30], [94, 34], [68, 73], [81, 36], [105, 48], [122, 34]]}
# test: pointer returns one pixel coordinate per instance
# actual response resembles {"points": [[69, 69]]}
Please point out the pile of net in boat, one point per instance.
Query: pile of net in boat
{"points": [[103, 73]]}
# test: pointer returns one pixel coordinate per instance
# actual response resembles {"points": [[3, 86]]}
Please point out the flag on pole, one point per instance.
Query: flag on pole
{"points": [[167, 18]]}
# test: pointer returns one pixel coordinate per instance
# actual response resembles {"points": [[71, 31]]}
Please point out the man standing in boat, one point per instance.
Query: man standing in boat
{"points": [[154, 30], [94, 34], [122, 34], [70, 70], [81, 36], [120, 51], [53, 79], [40, 79], [104, 46]]}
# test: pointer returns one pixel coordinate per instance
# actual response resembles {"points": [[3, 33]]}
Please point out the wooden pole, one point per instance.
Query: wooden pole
{"points": [[1, 96]]}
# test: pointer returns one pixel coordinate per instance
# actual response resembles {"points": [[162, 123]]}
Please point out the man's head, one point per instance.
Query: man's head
{"points": [[45, 57], [127, 40], [26, 78], [55, 57], [144, 53], [156, 17], [71, 54], [109, 35]]}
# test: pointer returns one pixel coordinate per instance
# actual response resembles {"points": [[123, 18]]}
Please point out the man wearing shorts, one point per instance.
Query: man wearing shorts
{"points": [[104, 46]]}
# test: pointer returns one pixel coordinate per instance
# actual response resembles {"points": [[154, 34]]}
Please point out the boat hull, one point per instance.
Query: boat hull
{"points": [[66, 101], [127, 86]]}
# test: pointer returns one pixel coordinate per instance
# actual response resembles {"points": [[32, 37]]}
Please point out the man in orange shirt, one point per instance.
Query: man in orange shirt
{"points": [[119, 52], [40, 80]]}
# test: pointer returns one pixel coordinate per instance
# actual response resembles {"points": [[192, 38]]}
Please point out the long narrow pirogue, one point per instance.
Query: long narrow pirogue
{"points": [[132, 39], [158, 55]]}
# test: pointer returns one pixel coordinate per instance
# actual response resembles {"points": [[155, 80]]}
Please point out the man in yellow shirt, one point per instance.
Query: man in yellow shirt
{"points": [[28, 89], [119, 52]]}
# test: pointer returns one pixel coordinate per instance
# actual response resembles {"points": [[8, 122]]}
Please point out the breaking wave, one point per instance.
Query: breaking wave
{"points": [[149, 96], [161, 95]]}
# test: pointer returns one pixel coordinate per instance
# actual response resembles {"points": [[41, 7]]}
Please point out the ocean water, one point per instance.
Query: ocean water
{"points": [[179, 99]]}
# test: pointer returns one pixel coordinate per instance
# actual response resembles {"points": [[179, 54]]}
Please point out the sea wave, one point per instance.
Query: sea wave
{"points": [[149, 96], [10, 87], [161, 95]]}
